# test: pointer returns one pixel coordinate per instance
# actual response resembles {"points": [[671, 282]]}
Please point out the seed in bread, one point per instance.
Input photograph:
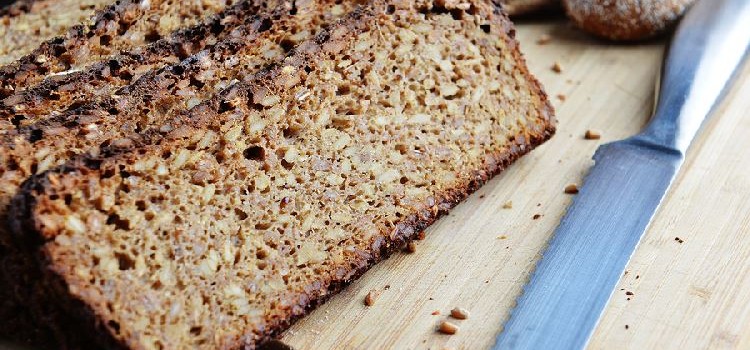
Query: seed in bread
{"points": [[625, 20]]}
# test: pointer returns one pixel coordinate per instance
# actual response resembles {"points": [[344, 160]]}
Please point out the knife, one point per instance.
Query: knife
{"points": [[566, 294]]}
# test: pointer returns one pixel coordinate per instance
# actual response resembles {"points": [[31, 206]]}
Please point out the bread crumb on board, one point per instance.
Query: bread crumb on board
{"points": [[459, 313], [411, 247], [435, 313], [371, 297], [508, 205], [571, 189], [557, 67], [679, 240], [561, 97], [447, 327], [592, 135], [544, 39]]}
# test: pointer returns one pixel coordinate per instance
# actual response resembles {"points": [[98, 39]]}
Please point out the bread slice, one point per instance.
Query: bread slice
{"points": [[27, 23], [114, 120], [122, 25], [58, 93], [277, 192]]}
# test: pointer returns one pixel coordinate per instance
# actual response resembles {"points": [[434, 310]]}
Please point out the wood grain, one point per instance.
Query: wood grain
{"points": [[686, 295]]}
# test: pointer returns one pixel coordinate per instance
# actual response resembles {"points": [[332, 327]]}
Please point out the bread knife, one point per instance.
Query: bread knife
{"points": [[561, 304]]}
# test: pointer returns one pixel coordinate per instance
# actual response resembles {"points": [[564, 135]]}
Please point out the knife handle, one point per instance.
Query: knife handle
{"points": [[708, 45]]}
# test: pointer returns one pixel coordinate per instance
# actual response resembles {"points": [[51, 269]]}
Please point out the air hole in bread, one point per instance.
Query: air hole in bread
{"points": [[255, 153]]}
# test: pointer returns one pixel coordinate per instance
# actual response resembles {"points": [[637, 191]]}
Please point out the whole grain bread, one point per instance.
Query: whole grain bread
{"points": [[238, 217], [121, 25], [59, 93]]}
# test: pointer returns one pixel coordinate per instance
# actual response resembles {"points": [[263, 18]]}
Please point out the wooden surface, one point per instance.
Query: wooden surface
{"points": [[689, 295]]}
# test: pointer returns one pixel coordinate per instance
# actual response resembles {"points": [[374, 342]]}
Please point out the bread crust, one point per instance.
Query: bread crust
{"points": [[625, 20], [32, 200]]}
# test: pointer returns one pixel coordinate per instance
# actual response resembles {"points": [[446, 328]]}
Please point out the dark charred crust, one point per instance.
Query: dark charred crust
{"points": [[82, 316]]}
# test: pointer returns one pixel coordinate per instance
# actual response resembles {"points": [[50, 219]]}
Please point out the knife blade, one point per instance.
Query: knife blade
{"points": [[572, 283]]}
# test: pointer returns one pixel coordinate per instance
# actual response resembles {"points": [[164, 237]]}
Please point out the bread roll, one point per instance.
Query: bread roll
{"points": [[625, 20]]}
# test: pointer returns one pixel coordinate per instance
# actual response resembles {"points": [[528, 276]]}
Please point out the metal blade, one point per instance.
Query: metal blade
{"points": [[590, 249]]}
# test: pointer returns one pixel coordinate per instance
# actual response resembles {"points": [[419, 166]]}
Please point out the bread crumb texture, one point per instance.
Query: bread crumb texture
{"points": [[288, 184]]}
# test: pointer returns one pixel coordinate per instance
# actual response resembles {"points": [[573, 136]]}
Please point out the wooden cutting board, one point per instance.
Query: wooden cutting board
{"points": [[689, 279]]}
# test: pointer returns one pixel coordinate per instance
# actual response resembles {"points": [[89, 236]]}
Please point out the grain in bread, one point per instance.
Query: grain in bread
{"points": [[278, 191], [26, 24], [103, 79], [122, 25], [625, 20]]}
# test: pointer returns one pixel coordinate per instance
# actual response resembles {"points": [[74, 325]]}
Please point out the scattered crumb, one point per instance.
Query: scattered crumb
{"points": [[626, 326], [431, 298], [561, 97], [502, 237], [557, 67], [571, 189], [628, 299], [481, 196], [420, 236], [592, 135], [371, 297], [637, 276], [459, 313], [508, 205], [539, 204], [435, 313], [387, 287], [678, 240], [447, 328], [487, 281], [628, 293], [536, 216], [626, 273], [411, 247], [544, 39]]}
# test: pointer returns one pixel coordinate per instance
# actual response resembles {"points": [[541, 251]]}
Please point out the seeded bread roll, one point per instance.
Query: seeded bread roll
{"points": [[57, 94], [625, 20], [122, 25], [524, 7], [245, 213]]}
